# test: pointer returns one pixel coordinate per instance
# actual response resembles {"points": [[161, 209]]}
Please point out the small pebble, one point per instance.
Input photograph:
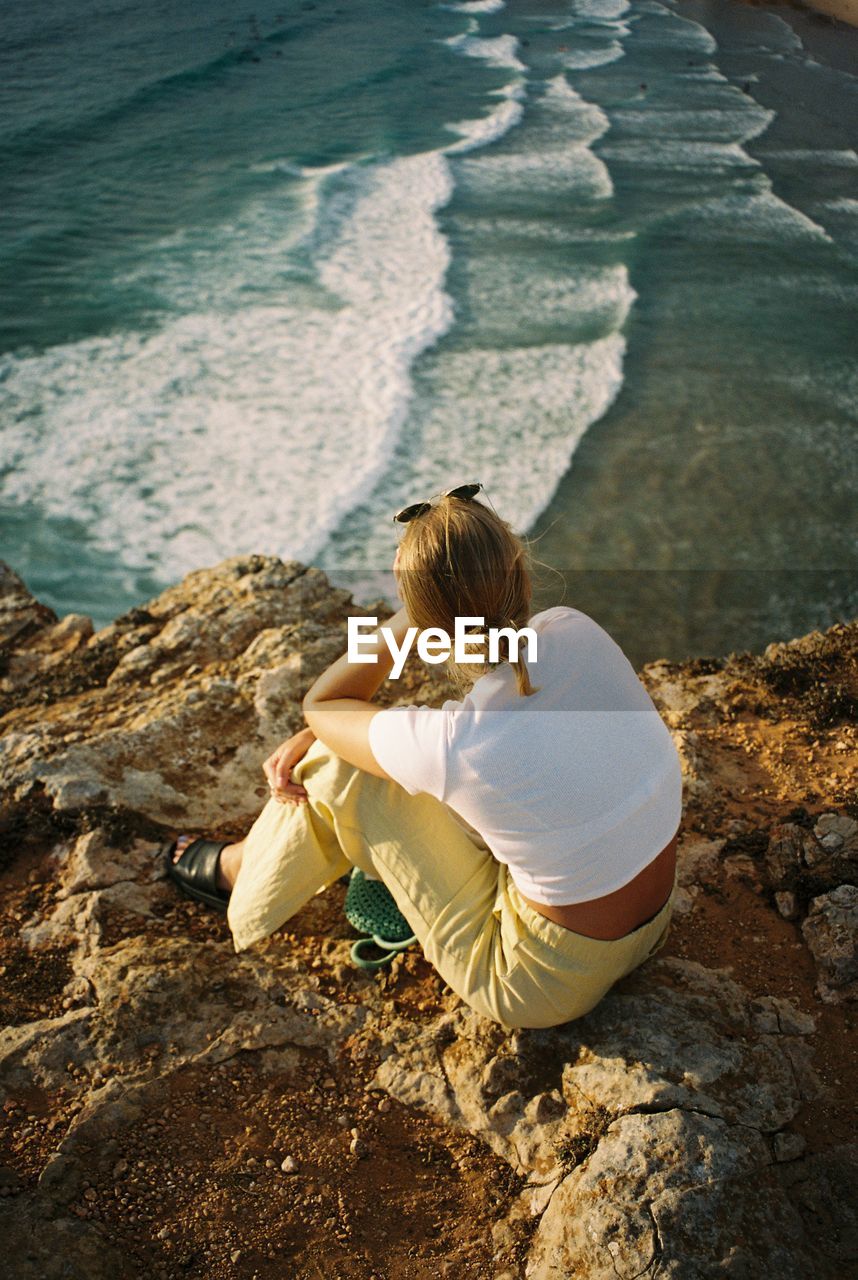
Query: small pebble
{"points": [[787, 904], [235, 1255], [788, 1146], [289, 1165]]}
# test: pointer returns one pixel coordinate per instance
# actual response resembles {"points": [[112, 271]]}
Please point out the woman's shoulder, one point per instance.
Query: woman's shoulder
{"points": [[573, 627], [558, 613]]}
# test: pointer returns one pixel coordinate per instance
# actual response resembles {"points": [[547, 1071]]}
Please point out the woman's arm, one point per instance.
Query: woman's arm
{"points": [[338, 707]]}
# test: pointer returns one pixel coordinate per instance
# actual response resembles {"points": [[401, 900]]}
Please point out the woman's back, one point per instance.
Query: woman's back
{"points": [[576, 787]]}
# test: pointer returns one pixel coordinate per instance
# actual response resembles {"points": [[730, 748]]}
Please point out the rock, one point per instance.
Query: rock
{"points": [[788, 1146], [787, 904], [208, 750], [785, 852], [697, 862], [831, 931], [822, 1189], [653, 1129], [836, 824], [42, 1247], [690, 1045], [631, 1203]]}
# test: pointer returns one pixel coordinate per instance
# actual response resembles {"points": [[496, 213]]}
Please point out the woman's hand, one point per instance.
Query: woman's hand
{"points": [[280, 763]]}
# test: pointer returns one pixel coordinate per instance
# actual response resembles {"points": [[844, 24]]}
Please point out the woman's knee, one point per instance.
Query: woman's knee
{"points": [[322, 771]]}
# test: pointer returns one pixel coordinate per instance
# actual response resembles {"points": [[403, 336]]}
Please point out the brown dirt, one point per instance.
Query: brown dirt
{"points": [[203, 1193], [199, 1190], [198, 1198]]}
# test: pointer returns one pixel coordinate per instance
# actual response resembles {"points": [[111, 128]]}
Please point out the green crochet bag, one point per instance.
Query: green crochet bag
{"points": [[370, 908]]}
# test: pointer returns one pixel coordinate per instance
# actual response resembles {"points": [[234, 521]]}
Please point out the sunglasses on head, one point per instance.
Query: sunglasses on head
{"points": [[464, 491]]}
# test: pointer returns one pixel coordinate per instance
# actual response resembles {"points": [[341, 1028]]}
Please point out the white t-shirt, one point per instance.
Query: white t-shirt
{"points": [[576, 788]]}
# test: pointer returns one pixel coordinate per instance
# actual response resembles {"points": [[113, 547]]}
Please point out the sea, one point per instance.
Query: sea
{"points": [[267, 276]]}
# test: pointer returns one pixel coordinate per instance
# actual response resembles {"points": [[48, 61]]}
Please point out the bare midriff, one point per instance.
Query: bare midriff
{"points": [[618, 913]]}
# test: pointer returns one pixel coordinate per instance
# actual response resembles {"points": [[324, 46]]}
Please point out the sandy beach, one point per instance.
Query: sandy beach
{"points": [[844, 10]]}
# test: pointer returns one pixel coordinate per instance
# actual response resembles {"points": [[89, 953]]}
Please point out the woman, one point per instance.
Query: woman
{"points": [[527, 832]]}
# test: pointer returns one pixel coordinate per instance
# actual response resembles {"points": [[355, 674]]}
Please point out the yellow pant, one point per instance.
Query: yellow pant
{"points": [[503, 958]]}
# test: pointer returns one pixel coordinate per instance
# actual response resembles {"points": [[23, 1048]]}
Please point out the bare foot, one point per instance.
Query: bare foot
{"points": [[228, 862]]}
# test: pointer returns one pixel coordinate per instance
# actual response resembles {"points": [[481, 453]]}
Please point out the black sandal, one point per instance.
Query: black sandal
{"points": [[196, 870]]}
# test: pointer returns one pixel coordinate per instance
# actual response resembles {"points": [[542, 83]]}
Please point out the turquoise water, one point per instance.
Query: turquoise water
{"points": [[268, 277]]}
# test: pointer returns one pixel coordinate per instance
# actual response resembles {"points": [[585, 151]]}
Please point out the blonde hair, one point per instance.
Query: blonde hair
{"points": [[461, 559]]}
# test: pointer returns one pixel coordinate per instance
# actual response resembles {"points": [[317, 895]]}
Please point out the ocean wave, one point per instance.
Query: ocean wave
{"points": [[497, 51], [246, 429], [818, 158], [739, 120], [759, 216], [604, 9], [476, 6], [679, 153], [506, 307], [583, 58], [539, 348], [676, 33], [480, 408], [554, 159], [480, 133], [537, 230], [843, 204]]}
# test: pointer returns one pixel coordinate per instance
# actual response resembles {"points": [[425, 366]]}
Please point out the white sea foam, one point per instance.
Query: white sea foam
{"points": [[554, 158], [498, 51], [760, 216], [592, 55], [539, 401], [843, 204], [788, 36], [680, 34], [677, 153], [506, 306], [480, 133], [845, 159], [255, 419], [476, 6], [482, 408], [605, 9], [737, 120], [538, 230], [250, 428], [513, 389]]}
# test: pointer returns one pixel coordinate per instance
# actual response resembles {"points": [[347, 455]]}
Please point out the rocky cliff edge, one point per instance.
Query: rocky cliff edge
{"points": [[172, 1109]]}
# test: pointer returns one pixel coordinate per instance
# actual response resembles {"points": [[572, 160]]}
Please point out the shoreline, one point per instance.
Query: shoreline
{"points": [[841, 10], [845, 11]]}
